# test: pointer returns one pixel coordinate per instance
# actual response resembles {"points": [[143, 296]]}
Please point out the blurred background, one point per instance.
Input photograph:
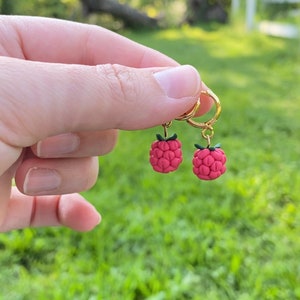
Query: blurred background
{"points": [[171, 236]]}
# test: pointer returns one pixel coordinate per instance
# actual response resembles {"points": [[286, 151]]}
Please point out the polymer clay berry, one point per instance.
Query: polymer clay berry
{"points": [[165, 154], [209, 162]]}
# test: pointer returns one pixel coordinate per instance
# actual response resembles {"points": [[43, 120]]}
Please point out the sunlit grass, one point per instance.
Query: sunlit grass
{"points": [[173, 236]]}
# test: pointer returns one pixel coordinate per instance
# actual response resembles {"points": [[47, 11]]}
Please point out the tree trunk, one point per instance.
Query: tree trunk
{"points": [[206, 10], [130, 16]]}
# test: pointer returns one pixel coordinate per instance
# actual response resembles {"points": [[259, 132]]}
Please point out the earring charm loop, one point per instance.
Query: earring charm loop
{"points": [[208, 124]]}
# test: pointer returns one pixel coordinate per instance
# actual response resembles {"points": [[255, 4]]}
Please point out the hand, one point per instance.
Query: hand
{"points": [[65, 90]]}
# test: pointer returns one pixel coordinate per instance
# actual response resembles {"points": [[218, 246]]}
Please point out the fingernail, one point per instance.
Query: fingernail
{"points": [[179, 82], [58, 145], [99, 218], [40, 181]]}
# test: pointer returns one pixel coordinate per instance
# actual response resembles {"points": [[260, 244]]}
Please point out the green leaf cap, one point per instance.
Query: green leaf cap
{"points": [[208, 147], [171, 138]]}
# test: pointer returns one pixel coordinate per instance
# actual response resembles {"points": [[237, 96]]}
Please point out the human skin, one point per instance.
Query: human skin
{"points": [[66, 89]]}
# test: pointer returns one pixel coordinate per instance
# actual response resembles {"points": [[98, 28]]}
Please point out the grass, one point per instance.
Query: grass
{"points": [[172, 236]]}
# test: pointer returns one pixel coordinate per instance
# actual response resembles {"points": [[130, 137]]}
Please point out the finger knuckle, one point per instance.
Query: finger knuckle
{"points": [[121, 83]]}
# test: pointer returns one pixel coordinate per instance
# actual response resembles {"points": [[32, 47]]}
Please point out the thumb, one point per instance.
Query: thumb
{"points": [[42, 99]]}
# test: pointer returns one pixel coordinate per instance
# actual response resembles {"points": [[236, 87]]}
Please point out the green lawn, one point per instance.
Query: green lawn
{"points": [[172, 236]]}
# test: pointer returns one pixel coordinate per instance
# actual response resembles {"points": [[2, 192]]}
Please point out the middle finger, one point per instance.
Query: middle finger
{"points": [[81, 144]]}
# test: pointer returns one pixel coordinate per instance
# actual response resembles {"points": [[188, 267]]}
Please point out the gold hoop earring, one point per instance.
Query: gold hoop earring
{"points": [[212, 121], [208, 162]]}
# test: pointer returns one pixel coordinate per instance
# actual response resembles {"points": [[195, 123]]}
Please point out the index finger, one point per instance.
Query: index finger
{"points": [[60, 41]]}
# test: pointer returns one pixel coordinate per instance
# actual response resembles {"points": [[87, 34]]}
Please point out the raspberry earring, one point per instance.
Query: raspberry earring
{"points": [[208, 162], [165, 152]]}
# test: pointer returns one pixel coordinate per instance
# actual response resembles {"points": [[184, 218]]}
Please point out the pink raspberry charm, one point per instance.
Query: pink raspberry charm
{"points": [[165, 154], [209, 162]]}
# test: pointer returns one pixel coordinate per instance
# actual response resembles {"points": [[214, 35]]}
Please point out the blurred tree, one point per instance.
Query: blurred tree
{"points": [[49, 8], [197, 11], [131, 13], [207, 10], [130, 16]]}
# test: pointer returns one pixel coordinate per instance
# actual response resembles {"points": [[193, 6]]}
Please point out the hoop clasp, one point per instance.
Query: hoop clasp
{"points": [[208, 124], [190, 114]]}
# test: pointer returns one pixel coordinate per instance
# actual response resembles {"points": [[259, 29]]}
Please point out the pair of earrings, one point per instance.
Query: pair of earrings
{"points": [[208, 162]]}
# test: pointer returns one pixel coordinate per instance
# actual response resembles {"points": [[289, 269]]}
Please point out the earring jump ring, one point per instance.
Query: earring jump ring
{"points": [[208, 124]]}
